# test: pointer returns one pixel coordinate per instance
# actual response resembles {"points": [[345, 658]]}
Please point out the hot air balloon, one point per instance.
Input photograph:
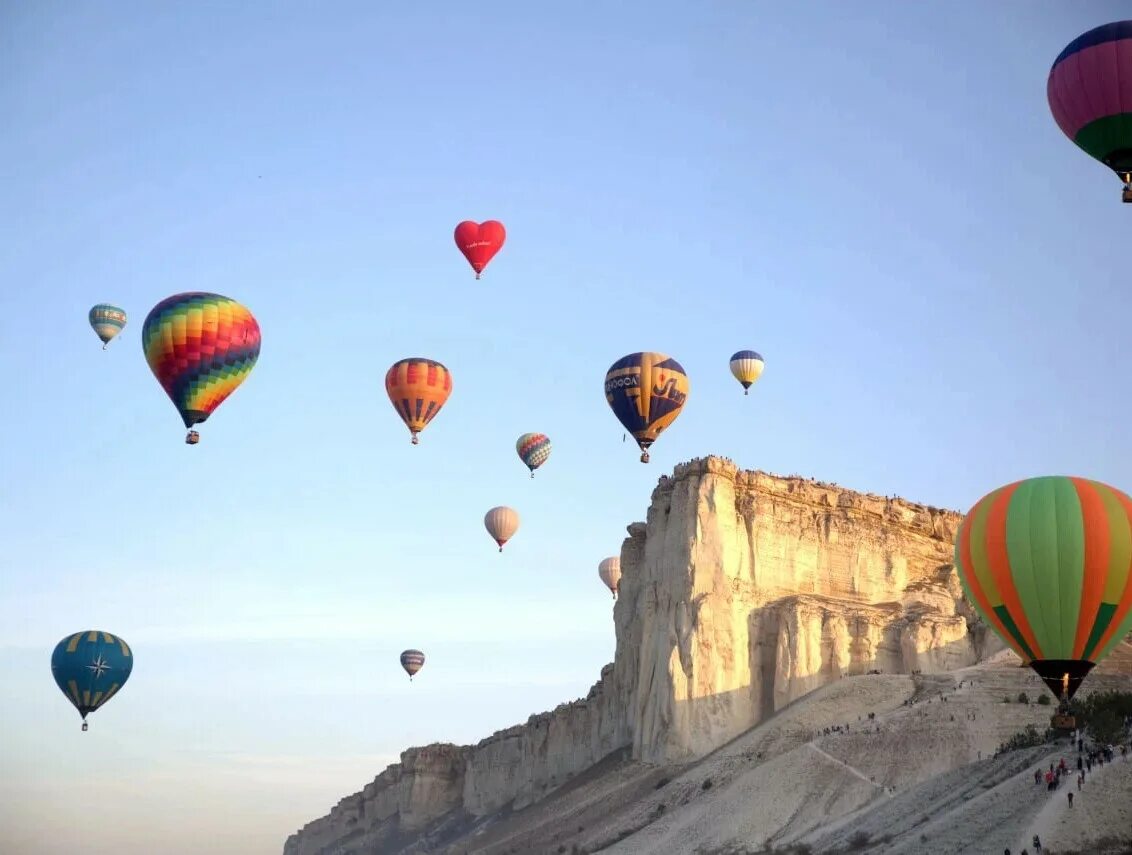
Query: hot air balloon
{"points": [[107, 321], [412, 661], [533, 449], [1090, 95], [1047, 562], [646, 391], [479, 242], [417, 388], [90, 667], [609, 571], [200, 347], [747, 367], [501, 523]]}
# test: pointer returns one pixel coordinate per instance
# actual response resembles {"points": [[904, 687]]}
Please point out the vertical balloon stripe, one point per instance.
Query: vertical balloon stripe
{"points": [[975, 575], [1098, 550], [1005, 572], [1118, 589]]}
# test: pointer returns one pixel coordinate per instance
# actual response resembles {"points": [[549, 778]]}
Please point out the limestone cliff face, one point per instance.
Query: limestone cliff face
{"points": [[744, 591], [741, 593]]}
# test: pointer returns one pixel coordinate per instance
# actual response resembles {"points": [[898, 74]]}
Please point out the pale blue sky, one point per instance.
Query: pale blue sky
{"points": [[874, 196]]}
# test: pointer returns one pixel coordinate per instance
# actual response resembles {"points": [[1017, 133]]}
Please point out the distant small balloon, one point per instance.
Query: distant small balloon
{"points": [[418, 388], [747, 368], [90, 667], [479, 242], [107, 321], [533, 449], [501, 523], [609, 571], [412, 661]]}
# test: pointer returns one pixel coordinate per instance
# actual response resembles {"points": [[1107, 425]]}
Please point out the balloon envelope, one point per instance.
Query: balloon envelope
{"points": [[609, 571], [646, 391], [1046, 562], [533, 449], [479, 242], [501, 523], [107, 321], [200, 347], [90, 667], [417, 388], [412, 661], [746, 367], [1089, 90]]}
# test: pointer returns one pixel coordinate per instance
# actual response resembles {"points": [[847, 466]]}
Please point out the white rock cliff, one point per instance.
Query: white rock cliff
{"points": [[741, 593]]}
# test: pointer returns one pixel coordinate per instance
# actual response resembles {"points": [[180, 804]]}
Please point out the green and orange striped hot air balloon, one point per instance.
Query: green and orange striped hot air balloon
{"points": [[1047, 562]]}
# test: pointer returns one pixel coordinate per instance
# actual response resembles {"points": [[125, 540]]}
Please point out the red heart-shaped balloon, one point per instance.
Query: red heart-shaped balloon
{"points": [[480, 241]]}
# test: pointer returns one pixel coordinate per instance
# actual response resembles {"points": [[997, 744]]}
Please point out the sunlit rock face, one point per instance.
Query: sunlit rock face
{"points": [[739, 594]]}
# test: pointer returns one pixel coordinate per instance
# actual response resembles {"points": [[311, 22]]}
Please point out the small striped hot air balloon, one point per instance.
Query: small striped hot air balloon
{"points": [[1047, 562], [533, 449], [501, 523], [107, 321], [90, 667], [200, 347], [417, 388], [412, 661], [747, 368], [1089, 90], [609, 571]]}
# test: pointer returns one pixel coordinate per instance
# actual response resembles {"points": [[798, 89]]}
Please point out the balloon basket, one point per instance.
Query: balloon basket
{"points": [[84, 727], [415, 440]]}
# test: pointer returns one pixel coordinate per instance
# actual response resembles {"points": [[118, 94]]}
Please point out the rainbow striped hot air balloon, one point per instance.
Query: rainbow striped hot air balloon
{"points": [[646, 391], [1090, 95], [90, 667], [200, 347], [747, 368], [417, 388], [533, 449], [107, 321], [412, 661], [1047, 562]]}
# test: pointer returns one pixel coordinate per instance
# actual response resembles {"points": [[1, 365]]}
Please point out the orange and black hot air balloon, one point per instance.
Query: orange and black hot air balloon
{"points": [[417, 388], [1047, 562]]}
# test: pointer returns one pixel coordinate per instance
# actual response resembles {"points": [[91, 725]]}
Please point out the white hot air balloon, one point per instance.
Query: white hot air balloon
{"points": [[501, 523], [609, 570]]}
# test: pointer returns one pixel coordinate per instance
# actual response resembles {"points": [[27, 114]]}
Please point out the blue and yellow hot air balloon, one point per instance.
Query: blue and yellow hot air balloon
{"points": [[747, 367], [90, 667], [646, 391], [107, 321]]}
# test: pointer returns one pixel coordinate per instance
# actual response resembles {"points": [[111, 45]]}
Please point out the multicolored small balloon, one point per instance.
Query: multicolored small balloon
{"points": [[107, 321], [412, 661], [200, 347], [533, 449], [747, 368], [90, 667]]}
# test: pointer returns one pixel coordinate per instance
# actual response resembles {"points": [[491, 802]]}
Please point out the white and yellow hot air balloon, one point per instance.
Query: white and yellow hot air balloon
{"points": [[501, 523], [609, 570], [747, 367]]}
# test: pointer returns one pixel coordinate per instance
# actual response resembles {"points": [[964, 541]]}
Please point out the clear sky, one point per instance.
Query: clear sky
{"points": [[874, 196]]}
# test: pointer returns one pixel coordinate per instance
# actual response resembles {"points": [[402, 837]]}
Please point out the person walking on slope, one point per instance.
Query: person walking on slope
{"points": [[1037, 843], [1070, 794]]}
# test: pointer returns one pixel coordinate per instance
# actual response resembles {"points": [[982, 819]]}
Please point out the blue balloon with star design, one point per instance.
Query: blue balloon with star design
{"points": [[90, 667]]}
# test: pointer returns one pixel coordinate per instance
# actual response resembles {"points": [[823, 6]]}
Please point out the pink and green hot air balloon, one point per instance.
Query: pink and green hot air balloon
{"points": [[1090, 95]]}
